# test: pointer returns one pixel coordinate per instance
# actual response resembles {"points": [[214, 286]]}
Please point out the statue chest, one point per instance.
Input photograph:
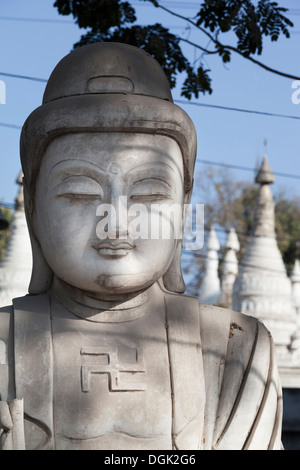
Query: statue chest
{"points": [[111, 384]]}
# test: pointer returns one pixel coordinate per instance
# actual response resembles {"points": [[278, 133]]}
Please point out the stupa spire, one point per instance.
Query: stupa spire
{"points": [[262, 288], [15, 268], [295, 278], [230, 269], [210, 286], [264, 221]]}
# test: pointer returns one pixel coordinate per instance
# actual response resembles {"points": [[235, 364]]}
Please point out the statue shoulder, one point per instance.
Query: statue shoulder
{"points": [[244, 398], [5, 326], [21, 325], [25, 305], [228, 322], [185, 302], [243, 405], [219, 323], [6, 349]]}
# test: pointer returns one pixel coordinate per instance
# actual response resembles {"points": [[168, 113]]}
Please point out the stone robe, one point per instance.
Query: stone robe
{"points": [[226, 393]]}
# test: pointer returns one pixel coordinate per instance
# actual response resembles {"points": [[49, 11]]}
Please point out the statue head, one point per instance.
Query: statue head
{"points": [[106, 135]]}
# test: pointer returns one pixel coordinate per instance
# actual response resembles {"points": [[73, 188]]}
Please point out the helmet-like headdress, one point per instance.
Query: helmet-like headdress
{"points": [[104, 87]]}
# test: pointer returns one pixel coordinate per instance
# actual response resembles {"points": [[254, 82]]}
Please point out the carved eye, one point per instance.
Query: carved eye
{"points": [[150, 190], [76, 188]]}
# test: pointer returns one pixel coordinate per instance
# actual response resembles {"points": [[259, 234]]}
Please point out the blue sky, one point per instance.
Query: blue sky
{"points": [[33, 48]]}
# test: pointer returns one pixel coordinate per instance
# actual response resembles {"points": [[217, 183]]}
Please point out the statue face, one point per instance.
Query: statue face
{"points": [[89, 190]]}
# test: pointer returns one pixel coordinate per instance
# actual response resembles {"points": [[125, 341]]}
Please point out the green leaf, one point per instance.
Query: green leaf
{"points": [[197, 81]]}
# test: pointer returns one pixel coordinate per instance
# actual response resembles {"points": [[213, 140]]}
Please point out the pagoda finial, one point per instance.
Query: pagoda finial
{"points": [[265, 174], [264, 217]]}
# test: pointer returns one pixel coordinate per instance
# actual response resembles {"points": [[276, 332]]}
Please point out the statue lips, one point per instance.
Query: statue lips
{"points": [[115, 249]]}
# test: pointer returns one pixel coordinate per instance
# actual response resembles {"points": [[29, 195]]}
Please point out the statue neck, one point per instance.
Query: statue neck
{"points": [[90, 307]]}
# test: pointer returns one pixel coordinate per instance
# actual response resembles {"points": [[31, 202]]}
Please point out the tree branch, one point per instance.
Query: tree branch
{"points": [[257, 62], [186, 19], [197, 45], [221, 46]]}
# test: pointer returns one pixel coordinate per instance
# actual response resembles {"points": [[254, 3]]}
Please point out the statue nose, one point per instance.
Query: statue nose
{"points": [[115, 222], [119, 223]]}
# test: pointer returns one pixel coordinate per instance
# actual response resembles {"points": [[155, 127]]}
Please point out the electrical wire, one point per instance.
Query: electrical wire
{"points": [[199, 160], [13, 126], [245, 168], [24, 77], [185, 5], [242, 264], [37, 20], [240, 110], [184, 102]]}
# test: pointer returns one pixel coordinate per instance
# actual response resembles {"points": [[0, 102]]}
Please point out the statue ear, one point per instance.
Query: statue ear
{"points": [[41, 276], [173, 279]]}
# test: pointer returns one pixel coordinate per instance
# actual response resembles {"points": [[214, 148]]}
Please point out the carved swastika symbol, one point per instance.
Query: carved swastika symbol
{"points": [[119, 375]]}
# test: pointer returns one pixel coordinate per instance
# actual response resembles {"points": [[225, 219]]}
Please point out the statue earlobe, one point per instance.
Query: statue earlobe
{"points": [[41, 276], [173, 279]]}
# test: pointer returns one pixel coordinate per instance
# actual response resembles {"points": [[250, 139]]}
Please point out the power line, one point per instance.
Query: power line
{"points": [[242, 264], [248, 234], [207, 162], [199, 160], [180, 5], [205, 105], [185, 5], [24, 77], [37, 20], [244, 234], [245, 168], [13, 126], [240, 110], [227, 108], [170, 4], [192, 5], [47, 20], [185, 102]]}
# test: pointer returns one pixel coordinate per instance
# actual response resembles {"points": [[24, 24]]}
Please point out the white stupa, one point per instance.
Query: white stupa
{"points": [[262, 288], [230, 269], [210, 288], [15, 269], [295, 278], [295, 343]]}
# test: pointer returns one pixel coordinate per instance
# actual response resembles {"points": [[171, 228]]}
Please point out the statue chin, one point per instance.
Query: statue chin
{"points": [[116, 288], [124, 283]]}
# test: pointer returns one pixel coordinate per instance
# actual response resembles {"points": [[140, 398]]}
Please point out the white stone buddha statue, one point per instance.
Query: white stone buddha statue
{"points": [[106, 352]]}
